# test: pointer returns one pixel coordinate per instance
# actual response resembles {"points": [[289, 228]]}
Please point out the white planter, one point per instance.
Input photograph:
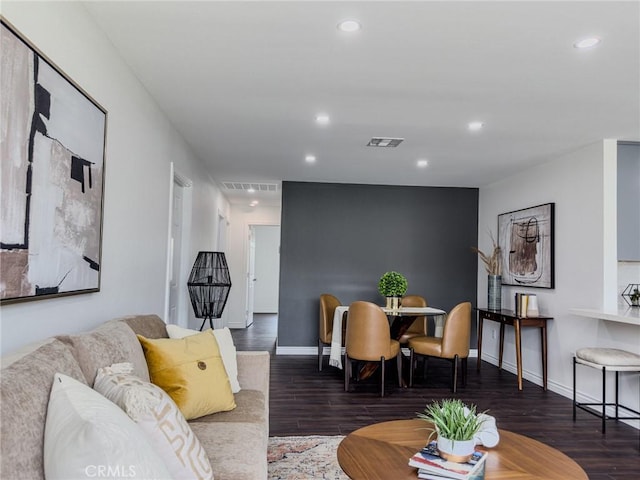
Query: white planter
{"points": [[456, 450]]}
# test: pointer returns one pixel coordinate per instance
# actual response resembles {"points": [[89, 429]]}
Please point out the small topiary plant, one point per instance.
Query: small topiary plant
{"points": [[392, 284]]}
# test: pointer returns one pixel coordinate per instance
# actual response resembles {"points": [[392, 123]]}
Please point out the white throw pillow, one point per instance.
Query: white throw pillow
{"points": [[225, 344], [159, 417], [87, 436]]}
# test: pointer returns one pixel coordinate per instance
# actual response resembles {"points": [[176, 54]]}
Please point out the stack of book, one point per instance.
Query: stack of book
{"points": [[432, 466], [526, 305]]}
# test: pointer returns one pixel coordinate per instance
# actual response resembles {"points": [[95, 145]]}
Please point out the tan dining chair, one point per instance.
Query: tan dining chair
{"points": [[368, 338], [454, 344], [328, 304], [419, 326]]}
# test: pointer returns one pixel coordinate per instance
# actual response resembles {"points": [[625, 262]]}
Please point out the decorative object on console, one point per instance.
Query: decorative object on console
{"points": [[456, 425], [493, 266], [209, 284], [527, 246], [632, 293], [393, 286], [532, 306], [526, 305], [53, 153]]}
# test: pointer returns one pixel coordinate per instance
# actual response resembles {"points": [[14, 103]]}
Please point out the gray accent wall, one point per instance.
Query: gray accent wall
{"points": [[340, 238]]}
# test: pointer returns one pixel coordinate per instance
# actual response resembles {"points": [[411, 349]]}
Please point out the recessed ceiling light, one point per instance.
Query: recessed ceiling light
{"points": [[251, 190], [322, 119], [349, 26], [310, 158], [474, 126], [587, 42], [422, 163]]}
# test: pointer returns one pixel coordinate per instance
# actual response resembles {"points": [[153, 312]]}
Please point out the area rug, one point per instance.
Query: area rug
{"points": [[304, 458]]}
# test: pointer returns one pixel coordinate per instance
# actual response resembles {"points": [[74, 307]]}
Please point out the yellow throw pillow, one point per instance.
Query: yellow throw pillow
{"points": [[191, 371]]}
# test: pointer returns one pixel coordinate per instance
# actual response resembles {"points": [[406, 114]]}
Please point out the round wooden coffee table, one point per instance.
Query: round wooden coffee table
{"points": [[381, 452]]}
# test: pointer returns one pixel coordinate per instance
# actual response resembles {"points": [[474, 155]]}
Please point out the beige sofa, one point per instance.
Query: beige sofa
{"points": [[235, 441]]}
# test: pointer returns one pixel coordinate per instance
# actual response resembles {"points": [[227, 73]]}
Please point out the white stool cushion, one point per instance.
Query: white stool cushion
{"points": [[612, 358]]}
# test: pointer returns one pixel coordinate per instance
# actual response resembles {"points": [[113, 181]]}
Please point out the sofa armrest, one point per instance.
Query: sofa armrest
{"points": [[253, 371]]}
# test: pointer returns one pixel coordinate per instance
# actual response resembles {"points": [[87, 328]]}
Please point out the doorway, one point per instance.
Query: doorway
{"points": [[263, 279], [176, 303]]}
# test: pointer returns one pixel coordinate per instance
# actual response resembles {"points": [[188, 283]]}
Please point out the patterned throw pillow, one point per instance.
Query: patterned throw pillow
{"points": [[191, 371], [159, 417]]}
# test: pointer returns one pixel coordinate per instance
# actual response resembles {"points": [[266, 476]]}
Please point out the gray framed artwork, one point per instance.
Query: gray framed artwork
{"points": [[527, 246], [51, 200]]}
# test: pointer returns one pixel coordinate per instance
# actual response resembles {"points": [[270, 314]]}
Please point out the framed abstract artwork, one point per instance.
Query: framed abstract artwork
{"points": [[52, 177], [526, 242]]}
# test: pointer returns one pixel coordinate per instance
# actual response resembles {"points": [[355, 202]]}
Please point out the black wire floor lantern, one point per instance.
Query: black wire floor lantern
{"points": [[209, 285]]}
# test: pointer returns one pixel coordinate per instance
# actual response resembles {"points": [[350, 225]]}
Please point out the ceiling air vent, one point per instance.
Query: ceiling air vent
{"points": [[384, 142], [256, 187]]}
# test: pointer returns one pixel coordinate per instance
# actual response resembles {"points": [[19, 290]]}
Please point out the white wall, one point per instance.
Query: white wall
{"points": [[141, 143], [580, 185], [241, 218]]}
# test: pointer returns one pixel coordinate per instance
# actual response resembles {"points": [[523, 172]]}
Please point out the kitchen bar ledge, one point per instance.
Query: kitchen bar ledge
{"points": [[630, 315]]}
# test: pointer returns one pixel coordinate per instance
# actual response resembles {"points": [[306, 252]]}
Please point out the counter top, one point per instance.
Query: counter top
{"points": [[627, 314]]}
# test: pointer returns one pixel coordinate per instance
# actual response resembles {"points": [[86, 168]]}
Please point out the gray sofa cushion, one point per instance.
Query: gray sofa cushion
{"points": [[250, 408], [24, 395], [149, 326], [237, 451], [112, 342]]}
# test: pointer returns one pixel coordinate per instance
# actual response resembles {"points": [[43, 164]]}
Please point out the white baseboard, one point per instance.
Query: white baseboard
{"points": [[473, 353]]}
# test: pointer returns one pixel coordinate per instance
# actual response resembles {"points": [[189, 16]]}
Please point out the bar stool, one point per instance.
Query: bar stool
{"points": [[605, 359]]}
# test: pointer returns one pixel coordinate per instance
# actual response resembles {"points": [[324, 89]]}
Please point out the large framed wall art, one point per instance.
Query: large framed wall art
{"points": [[53, 153], [526, 243]]}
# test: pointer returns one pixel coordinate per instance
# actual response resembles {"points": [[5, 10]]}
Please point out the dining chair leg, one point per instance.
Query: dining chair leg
{"points": [[411, 365], [399, 364], [347, 372], [464, 371], [454, 386], [320, 349], [382, 376], [425, 367]]}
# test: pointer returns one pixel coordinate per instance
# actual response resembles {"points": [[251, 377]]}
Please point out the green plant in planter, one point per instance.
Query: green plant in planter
{"points": [[452, 419], [392, 284], [635, 296]]}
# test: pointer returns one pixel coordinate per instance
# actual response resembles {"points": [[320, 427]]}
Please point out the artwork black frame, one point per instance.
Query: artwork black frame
{"points": [[52, 192], [526, 239]]}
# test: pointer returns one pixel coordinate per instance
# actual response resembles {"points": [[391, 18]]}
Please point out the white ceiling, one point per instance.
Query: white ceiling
{"points": [[243, 81]]}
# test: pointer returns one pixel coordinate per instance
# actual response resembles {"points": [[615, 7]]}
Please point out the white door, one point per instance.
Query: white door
{"points": [[175, 249], [251, 276], [267, 268], [222, 247]]}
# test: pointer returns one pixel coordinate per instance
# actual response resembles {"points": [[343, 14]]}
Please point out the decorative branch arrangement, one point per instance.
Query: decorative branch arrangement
{"points": [[492, 262]]}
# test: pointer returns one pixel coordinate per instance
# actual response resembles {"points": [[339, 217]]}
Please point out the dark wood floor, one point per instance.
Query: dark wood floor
{"points": [[305, 401]]}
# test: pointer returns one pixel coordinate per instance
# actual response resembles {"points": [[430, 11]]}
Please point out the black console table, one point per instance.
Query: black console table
{"points": [[508, 317]]}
